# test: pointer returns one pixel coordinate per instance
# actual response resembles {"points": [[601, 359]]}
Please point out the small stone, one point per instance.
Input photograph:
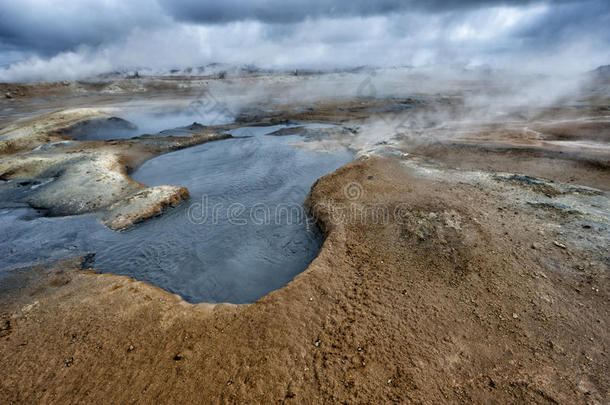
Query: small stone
{"points": [[560, 245], [535, 246], [317, 343], [310, 298], [8, 95], [389, 381], [130, 348], [229, 383], [178, 357], [69, 362], [359, 348], [515, 316]]}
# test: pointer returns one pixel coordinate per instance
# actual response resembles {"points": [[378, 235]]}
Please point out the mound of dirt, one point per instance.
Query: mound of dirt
{"points": [[85, 176], [433, 286]]}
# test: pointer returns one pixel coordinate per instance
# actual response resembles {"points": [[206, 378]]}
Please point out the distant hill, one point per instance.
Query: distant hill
{"points": [[217, 70], [602, 72]]}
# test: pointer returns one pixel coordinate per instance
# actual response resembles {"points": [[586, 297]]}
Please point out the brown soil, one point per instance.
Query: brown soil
{"points": [[453, 298], [434, 285], [576, 168]]}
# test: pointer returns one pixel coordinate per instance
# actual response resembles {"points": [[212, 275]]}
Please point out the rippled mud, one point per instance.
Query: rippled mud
{"points": [[241, 234]]}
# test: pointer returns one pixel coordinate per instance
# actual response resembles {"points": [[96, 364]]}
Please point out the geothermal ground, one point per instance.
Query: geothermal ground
{"points": [[465, 256]]}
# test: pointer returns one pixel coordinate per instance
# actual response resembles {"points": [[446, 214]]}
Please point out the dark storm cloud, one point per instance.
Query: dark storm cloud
{"points": [[50, 27], [47, 28], [290, 11], [570, 21], [68, 38]]}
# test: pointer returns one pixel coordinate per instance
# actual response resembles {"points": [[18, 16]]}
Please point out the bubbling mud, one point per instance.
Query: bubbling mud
{"points": [[242, 233]]}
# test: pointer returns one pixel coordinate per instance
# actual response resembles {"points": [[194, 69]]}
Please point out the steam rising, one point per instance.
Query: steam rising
{"points": [[431, 103]]}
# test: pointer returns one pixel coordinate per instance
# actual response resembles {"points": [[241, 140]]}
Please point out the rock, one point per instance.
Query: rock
{"points": [[515, 316], [195, 126], [5, 328], [142, 205], [558, 244], [88, 261], [317, 343], [8, 95]]}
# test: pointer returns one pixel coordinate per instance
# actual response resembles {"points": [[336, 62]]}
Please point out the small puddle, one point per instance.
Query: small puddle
{"points": [[241, 235]]}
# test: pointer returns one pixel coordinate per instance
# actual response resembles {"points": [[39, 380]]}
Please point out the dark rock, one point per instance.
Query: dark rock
{"points": [[88, 261]]}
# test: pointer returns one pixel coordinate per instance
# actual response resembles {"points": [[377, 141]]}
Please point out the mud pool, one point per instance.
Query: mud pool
{"points": [[241, 234]]}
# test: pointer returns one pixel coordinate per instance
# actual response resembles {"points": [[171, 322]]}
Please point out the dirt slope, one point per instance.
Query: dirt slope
{"points": [[427, 290]]}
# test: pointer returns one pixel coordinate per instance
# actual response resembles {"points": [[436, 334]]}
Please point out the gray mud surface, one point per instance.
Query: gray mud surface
{"points": [[242, 233]]}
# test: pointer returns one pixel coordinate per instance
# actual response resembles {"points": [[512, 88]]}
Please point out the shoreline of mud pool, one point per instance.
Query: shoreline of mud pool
{"points": [[383, 310], [449, 273]]}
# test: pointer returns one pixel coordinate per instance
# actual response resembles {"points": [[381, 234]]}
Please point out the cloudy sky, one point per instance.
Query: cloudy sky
{"points": [[65, 39]]}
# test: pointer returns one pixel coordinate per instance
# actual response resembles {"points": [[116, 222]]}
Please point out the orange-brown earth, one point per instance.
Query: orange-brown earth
{"points": [[434, 285], [454, 297]]}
